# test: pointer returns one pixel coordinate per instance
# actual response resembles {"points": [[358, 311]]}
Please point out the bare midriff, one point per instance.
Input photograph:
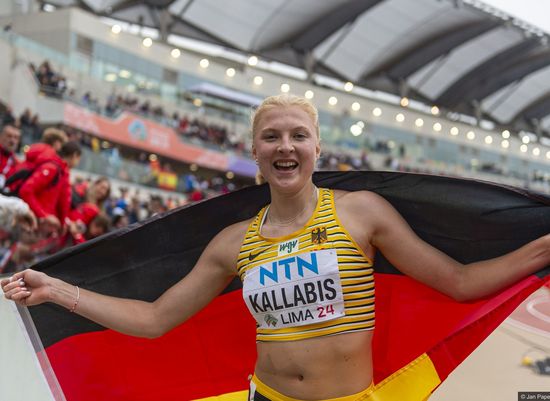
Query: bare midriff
{"points": [[317, 368]]}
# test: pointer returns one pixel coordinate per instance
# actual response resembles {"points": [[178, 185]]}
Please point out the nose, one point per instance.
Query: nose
{"points": [[285, 145]]}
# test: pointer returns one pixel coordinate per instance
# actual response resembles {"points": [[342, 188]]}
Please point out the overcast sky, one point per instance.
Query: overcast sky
{"points": [[536, 12]]}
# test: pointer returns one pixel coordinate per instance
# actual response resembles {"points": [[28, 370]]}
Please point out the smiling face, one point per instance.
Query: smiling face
{"points": [[100, 190], [286, 146]]}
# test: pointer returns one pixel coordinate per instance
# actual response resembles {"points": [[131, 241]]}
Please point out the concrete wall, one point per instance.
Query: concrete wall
{"points": [[23, 91], [13, 7], [5, 70], [50, 29], [49, 109]]}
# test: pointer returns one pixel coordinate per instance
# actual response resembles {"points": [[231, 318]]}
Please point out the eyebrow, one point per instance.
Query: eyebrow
{"points": [[301, 127], [298, 128]]}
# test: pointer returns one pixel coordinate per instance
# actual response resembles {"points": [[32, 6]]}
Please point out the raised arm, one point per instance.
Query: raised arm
{"points": [[213, 271], [380, 226]]}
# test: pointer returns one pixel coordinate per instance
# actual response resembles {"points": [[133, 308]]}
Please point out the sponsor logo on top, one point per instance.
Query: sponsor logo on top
{"points": [[288, 247]]}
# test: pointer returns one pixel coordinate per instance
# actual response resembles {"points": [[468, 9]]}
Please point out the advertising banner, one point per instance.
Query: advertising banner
{"points": [[141, 133]]}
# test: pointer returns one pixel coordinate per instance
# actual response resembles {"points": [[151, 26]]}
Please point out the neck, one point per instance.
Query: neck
{"points": [[90, 197], [286, 209]]}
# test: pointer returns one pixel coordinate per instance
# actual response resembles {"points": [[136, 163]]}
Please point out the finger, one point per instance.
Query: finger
{"points": [[10, 286], [13, 279], [21, 295], [12, 293], [14, 284], [18, 275]]}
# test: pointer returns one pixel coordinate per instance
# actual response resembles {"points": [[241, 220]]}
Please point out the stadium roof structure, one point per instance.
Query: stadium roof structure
{"points": [[461, 55]]}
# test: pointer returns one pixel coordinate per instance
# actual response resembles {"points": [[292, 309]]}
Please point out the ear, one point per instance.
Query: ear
{"points": [[254, 156]]}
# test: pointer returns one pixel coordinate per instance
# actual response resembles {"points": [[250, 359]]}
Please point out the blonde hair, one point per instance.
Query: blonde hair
{"points": [[52, 135], [284, 100]]}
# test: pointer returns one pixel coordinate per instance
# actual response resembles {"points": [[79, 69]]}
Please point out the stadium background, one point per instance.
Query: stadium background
{"points": [[442, 87]]}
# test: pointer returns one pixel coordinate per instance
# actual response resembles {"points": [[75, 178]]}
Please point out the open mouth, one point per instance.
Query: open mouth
{"points": [[285, 165]]}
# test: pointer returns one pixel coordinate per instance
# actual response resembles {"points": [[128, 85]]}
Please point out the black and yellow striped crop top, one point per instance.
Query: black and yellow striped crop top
{"points": [[312, 283]]}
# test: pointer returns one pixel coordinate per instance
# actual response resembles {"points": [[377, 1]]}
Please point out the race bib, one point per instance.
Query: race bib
{"points": [[295, 290]]}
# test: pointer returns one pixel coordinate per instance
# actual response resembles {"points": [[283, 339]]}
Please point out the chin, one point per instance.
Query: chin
{"points": [[292, 183]]}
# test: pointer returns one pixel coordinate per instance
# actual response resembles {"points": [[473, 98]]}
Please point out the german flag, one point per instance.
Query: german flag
{"points": [[420, 337]]}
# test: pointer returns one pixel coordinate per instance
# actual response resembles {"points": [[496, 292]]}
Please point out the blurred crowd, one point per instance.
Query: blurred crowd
{"points": [[36, 195], [154, 171], [51, 82], [343, 161], [43, 211], [28, 123], [186, 127]]}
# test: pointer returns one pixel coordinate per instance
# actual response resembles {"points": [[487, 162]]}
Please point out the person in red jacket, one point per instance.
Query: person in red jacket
{"points": [[52, 141], [9, 141], [47, 191]]}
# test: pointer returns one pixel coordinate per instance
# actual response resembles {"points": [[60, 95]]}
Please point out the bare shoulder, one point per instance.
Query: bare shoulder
{"points": [[363, 201], [359, 212]]}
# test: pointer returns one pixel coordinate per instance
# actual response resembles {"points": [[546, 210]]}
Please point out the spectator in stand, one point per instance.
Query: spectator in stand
{"points": [[145, 108], [156, 205], [365, 163], [112, 106], [14, 212], [134, 210], [25, 118], [137, 211], [175, 121], [9, 141], [47, 191], [197, 195], [120, 220], [183, 125], [142, 158], [35, 129], [99, 226], [96, 193], [158, 112], [123, 200], [51, 82], [17, 225], [87, 99], [8, 118], [28, 125], [78, 234], [86, 204], [44, 72], [52, 141]]}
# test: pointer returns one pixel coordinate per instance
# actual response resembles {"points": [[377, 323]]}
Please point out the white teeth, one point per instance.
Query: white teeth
{"points": [[285, 164]]}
